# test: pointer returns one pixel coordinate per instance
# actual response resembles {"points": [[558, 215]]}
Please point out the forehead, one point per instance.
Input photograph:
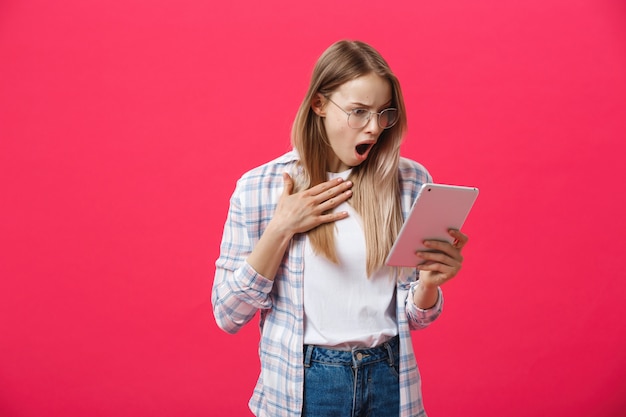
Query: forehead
{"points": [[370, 89]]}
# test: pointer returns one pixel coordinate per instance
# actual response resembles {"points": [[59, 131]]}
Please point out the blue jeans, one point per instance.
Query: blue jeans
{"points": [[357, 383]]}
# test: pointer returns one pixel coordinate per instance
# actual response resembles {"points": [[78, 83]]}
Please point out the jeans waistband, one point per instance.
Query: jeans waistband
{"points": [[359, 356]]}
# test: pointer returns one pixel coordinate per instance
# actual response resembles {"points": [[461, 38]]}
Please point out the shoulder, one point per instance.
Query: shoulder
{"points": [[411, 175], [413, 172], [268, 173]]}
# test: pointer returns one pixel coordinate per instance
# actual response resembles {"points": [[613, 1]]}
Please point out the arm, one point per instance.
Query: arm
{"points": [[425, 299], [418, 316], [238, 290], [245, 271]]}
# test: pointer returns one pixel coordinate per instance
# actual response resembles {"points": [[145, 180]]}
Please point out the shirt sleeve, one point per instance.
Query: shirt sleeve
{"points": [[238, 290], [420, 318]]}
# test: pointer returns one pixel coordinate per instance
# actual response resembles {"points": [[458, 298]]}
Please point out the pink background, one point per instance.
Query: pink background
{"points": [[124, 125]]}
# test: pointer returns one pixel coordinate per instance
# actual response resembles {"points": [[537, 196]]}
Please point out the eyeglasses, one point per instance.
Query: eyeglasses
{"points": [[359, 118]]}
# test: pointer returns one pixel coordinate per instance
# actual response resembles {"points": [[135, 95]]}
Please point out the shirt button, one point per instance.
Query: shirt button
{"points": [[359, 356]]}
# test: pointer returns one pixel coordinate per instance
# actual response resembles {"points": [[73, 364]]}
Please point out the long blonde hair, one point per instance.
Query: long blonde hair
{"points": [[376, 190]]}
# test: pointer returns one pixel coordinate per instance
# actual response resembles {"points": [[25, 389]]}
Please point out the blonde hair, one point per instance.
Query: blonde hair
{"points": [[376, 186]]}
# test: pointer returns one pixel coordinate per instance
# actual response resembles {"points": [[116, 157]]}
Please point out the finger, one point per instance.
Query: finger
{"points": [[333, 197], [440, 271], [332, 217], [325, 186], [441, 257], [443, 247], [288, 182], [329, 189], [460, 239], [334, 201], [438, 263]]}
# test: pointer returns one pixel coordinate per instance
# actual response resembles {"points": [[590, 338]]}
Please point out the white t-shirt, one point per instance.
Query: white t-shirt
{"points": [[344, 309]]}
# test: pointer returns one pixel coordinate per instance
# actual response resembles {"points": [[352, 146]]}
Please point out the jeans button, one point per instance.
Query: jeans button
{"points": [[359, 356]]}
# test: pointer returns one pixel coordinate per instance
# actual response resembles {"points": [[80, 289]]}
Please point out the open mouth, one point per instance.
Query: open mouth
{"points": [[362, 148]]}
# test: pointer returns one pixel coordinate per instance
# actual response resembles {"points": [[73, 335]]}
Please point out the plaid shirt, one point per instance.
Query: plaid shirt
{"points": [[239, 292]]}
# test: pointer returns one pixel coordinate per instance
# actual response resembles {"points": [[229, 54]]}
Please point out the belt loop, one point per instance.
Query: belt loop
{"points": [[308, 352], [389, 353]]}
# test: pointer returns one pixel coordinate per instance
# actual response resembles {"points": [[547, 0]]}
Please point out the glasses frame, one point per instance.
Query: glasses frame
{"points": [[369, 116]]}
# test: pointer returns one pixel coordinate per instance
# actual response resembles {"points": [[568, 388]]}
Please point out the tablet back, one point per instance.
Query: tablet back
{"points": [[437, 209]]}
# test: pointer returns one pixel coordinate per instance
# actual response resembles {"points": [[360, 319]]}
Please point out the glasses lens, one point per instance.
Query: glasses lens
{"points": [[387, 118], [358, 118]]}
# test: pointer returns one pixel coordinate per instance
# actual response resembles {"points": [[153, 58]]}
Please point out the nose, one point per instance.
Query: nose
{"points": [[372, 124]]}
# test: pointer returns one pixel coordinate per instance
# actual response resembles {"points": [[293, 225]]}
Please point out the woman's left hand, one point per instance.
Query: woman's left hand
{"points": [[441, 265]]}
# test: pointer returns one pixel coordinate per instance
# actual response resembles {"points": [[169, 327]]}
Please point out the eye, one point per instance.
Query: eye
{"points": [[360, 113]]}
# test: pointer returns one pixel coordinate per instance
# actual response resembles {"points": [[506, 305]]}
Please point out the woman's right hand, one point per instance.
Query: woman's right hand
{"points": [[297, 213], [304, 210]]}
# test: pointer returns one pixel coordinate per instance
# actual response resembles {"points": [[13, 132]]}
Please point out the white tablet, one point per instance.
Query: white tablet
{"points": [[437, 209]]}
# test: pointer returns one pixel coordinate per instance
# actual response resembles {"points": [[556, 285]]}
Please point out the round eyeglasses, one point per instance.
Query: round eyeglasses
{"points": [[359, 118]]}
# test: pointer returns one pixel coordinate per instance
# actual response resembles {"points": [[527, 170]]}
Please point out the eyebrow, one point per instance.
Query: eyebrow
{"points": [[383, 107]]}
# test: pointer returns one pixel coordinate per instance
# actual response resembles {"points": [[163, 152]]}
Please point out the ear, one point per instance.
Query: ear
{"points": [[318, 104]]}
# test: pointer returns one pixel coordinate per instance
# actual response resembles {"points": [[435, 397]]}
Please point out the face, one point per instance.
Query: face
{"points": [[350, 147]]}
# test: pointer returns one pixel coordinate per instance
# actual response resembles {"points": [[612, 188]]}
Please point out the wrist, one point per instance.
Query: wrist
{"points": [[425, 296], [425, 286], [278, 232]]}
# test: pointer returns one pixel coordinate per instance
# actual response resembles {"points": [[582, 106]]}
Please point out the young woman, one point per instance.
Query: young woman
{"points": [[305, 243]]}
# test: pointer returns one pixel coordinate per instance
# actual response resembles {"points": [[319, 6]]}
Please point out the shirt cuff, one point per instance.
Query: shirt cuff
{"points": [[420, 314], [256, 281]]}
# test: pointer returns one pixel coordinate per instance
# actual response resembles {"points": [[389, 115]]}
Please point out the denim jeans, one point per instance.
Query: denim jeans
{"points": [[357, 383]]}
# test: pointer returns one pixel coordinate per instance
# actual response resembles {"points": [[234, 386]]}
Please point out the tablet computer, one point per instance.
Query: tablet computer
{"points": [[437, 209]]}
